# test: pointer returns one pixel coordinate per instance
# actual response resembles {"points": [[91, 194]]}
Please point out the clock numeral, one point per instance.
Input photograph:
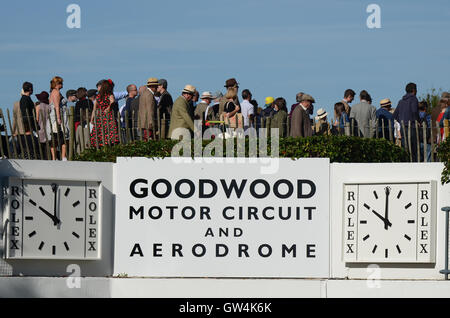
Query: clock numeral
{"points": [[375, 194], [66, 246], [399, 194], [42, 191], [53, 250], [14, 245], [407, 237], [79, 219], [363, 222], [366, 237], [374, 249], [76, 204], [366, 206], [32, 202], [386, 253], [29, 218], [411, 221], [67, 192]]}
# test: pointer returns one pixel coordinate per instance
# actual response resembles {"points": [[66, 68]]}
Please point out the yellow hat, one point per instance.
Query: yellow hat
{"points": [[269, 100]]}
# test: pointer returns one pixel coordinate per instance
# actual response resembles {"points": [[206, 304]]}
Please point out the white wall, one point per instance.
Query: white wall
{"points": [[384, 173], [64, 170]]}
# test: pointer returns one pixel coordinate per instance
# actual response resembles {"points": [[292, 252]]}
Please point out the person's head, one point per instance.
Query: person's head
{"points": [[298, 97], [56, 83], [339, 108], [217, 96], [99, 84], [188, 92], [255, 104], [206, 98], [71, 95], [423, 106], [162, 87], [411, 88], [280, 104], [364, 95], [307, 101], [82, 93], [321, 115], [232, 83], [152, 84], [386, 104], [106, 89], [92, 94], [43, 97], [444, 103], [268, 101], [196, 96], [349, 95], [231, 95], [27, 88], [132, 91], [246, 94]]}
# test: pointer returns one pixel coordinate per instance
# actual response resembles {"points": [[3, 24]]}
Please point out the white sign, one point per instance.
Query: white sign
{"points": [[221, 220]]}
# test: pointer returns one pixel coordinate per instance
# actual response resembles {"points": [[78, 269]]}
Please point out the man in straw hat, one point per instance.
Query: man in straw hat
{"points": [[181, 114], [147, 108], [200, 111], [385, 119], [300, 121]]}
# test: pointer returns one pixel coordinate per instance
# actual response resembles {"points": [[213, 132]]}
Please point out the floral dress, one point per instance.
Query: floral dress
{"points": [[104, 131]]}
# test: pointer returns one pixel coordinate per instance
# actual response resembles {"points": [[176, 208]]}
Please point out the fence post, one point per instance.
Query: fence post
{"points": [[18, 136], [391, 137], [6, 133], [33, 144], [71, 132], [418, 140], [425, 141], [446, 128]]}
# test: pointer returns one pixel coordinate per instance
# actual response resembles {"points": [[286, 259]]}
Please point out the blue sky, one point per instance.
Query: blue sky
{"points": [[274, 48]]}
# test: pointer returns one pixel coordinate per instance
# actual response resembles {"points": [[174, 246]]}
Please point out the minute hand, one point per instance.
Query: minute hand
{"points": [[385, 221], [387, 191]]}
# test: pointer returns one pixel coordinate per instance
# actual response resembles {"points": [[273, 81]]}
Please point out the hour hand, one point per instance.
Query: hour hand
{"points": [[55, 220], [385, 221]]}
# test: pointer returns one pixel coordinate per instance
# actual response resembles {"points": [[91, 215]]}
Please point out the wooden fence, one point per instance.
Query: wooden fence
{"points": [[30, 137]]}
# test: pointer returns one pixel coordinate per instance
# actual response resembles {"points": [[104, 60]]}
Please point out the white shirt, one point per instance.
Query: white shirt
{"points": [[247, 109]]}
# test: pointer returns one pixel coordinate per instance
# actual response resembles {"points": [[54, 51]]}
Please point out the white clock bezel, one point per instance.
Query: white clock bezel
{"points": [[352, 258], [96, 217]]}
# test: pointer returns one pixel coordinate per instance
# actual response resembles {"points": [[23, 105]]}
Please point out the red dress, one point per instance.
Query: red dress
{"points": [[104, 131]]}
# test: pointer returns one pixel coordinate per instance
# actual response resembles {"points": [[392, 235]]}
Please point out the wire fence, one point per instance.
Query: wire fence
{"points": [[41, 136]]}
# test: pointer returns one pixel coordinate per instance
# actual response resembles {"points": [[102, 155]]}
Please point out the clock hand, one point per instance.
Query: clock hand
{"points": [[387, 191], [55, 191], [54, 218], [385, 221]]}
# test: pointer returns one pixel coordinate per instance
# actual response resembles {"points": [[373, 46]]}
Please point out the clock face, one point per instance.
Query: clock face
{"points": [[51, 219], [389, 223]]}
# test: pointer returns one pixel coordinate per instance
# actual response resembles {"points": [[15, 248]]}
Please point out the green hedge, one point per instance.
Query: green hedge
{"points": [[337, 148], [443, 152]]}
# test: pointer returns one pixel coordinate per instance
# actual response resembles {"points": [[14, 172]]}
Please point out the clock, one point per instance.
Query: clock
{"points": [[389, 223], [53, 219]]}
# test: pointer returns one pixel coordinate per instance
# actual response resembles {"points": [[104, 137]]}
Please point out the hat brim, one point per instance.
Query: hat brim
{"points": [[188, 92], [153, 84]]}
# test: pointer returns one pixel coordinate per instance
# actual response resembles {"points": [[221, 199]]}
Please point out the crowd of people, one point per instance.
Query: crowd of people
{"points": [[103, 116]]}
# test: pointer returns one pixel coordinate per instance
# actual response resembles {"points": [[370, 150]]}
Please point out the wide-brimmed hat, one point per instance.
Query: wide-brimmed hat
{"points": [[307, 97], [207, 95], [189, 89], [231, 82], [43, 97], [152, 82], [321, 113], [385, 102]]}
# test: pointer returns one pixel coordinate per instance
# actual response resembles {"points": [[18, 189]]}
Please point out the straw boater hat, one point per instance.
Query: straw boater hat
{"points": [[385, 103], [206, 95], [152, 82], [321, 113], [189, 89]]}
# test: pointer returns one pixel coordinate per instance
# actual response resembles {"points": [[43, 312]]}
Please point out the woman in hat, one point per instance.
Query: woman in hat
{"points": [[322, 127], [231, 110], [42, 113], [279, 120], [104, 131]]}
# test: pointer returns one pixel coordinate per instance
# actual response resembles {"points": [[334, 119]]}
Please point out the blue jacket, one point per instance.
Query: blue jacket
{"points": [[384, 117], [407, 109]]}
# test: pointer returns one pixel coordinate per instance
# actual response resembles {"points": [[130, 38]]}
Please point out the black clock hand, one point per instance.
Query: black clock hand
{"points": [[387, 191], [385, 221], [54, 218], [55, 191]]}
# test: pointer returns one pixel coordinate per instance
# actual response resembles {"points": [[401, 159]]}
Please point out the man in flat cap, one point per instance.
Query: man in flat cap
{"points": [[300, 121], [182, 117]]}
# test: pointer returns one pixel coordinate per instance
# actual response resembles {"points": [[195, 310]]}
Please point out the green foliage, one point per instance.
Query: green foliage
{"points": [[443, 152], [432, 97], [337, 148]]}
